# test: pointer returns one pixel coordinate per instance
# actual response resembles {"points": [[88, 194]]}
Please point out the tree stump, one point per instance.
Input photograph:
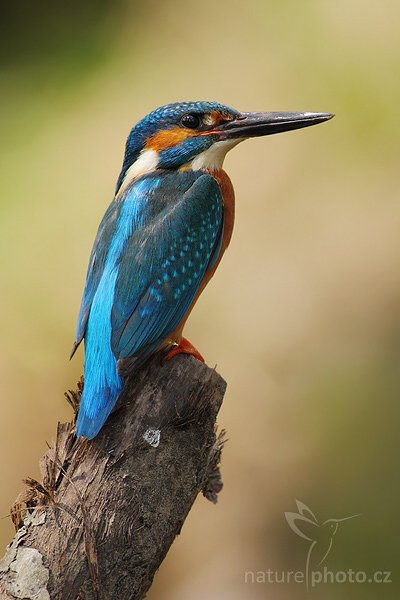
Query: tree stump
{"points": [[106, 512]]}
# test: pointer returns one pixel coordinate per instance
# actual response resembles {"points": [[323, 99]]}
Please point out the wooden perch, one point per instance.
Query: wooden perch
{"points": [[106, 512]]}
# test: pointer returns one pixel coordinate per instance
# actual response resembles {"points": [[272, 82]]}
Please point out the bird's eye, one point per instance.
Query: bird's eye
{"points": [[190, 121]]}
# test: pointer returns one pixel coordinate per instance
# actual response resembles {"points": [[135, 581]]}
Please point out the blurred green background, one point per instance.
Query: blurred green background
{"points": [[302, 318]]}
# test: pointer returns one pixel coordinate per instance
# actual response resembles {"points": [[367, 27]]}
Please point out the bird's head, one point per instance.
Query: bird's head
{"points": [[198, 135]]}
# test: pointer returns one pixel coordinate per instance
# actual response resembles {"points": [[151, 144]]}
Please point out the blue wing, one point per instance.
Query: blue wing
{"points": [[150, 255], [164, 263], [95, 270]]}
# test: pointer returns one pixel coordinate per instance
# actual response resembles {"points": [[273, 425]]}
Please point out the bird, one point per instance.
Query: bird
{"points": [[160, 241]]}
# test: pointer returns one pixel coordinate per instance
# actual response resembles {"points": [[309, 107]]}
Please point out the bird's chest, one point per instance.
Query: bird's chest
{"points": [[228, 196]]}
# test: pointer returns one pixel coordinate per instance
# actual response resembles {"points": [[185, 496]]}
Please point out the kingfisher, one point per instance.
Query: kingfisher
{"points": [[160, 241]]}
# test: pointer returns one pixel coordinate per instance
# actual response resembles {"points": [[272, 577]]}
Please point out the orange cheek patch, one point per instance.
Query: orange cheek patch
{"points": [[168, 138]]}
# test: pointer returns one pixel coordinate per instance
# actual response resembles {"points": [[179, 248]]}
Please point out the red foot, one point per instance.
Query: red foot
{"points": [[184, 347]]}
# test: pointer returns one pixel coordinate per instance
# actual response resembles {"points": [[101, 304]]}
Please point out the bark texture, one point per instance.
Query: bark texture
{"points": [[106, 512]]}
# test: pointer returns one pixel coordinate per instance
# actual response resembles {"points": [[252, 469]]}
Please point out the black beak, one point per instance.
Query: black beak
{"points": [[258, 124]]}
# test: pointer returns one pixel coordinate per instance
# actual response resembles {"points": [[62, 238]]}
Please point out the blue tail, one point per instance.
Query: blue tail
{"points": [[95, 407], [102, 383]]}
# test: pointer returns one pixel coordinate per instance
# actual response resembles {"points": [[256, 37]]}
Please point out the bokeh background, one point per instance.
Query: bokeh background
{"points": [[302, 318]]}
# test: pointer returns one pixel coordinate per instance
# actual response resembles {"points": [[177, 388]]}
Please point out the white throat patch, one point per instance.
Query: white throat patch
{"points": [[146, 163], [213, 157]]}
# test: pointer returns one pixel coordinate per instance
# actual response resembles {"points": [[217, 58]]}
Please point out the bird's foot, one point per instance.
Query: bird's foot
{"points": [[184, 347]]}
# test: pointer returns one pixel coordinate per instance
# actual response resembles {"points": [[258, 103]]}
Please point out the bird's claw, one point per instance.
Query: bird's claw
{"points": [[184, 347]]}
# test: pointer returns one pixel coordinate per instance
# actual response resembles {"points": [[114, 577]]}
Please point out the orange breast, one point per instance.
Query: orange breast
{"points": [[228, 196]]}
